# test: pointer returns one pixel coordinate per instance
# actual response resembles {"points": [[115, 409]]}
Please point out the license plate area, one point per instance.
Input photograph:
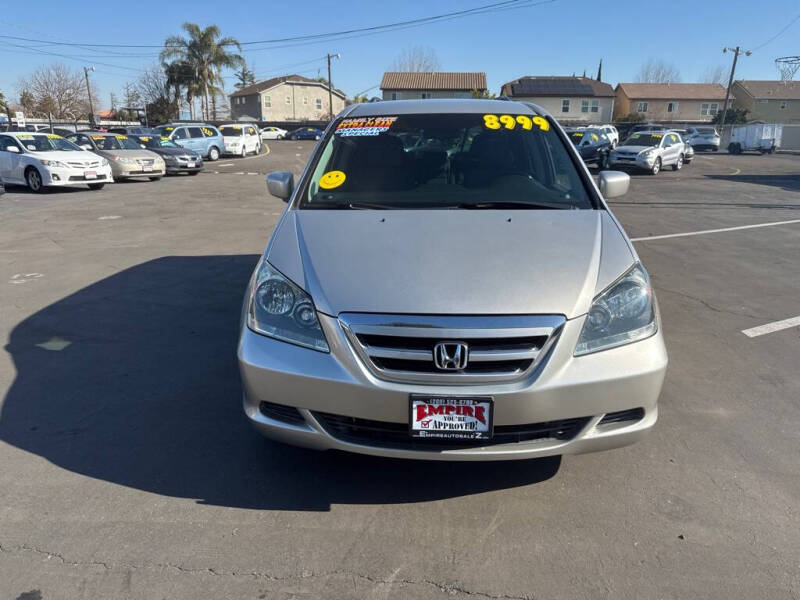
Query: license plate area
{"points": [[451, 417], [90, 174], [190, 164]]}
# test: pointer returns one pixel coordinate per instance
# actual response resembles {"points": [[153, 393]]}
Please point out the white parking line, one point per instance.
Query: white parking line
{"points": [[705, 231], [771, 327], [226, 165]]}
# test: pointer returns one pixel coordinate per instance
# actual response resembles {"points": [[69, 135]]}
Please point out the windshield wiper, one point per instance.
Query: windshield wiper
{"points": [[510, 204]]}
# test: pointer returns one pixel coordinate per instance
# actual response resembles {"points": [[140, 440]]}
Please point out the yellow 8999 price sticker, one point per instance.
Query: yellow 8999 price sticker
{"points": [[511, 122]]}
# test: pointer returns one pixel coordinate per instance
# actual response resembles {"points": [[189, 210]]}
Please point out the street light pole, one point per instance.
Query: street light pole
{"points": [[330, 84], [89, 91], [736, 52]]}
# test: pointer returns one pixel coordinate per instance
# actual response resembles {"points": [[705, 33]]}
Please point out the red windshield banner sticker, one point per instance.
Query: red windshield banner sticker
{"points": [[365, 126]]}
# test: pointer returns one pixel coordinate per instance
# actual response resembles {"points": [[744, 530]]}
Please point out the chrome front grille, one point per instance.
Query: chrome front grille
{"points": [[499, 348], [145, 162], [83, 165]]}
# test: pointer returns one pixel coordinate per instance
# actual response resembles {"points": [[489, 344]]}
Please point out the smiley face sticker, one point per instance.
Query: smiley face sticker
{"points": [[332, 179]]}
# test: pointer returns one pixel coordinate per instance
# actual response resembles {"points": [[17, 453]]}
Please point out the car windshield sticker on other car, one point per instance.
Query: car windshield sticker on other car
{"points": [[97, 137], [577, 134], [121, 137], [332, 179], [510, 122], [26, 136], [145, 139], [656, 135], [365, 126], [208, 132], [53, 136], [594, 137], [169, 128]]}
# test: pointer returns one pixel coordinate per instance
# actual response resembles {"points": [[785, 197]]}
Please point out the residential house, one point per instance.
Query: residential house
{"points": [[768, 101], [287, 98], [408, 86], [670, 102], [568, 99]]}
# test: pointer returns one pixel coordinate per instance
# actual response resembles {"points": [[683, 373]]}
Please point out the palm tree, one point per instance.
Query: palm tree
{"points": [[202, 56]]}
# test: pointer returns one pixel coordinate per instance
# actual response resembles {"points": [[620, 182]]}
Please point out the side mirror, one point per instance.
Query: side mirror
{"points": [[13, 149], [613, 184], [280, 184]]}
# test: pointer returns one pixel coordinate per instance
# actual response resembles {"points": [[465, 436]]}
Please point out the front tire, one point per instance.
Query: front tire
{"points": [[244, 152], [154, 178], [96, 186], [213, 153], [656, 167], [677, 166], [34, 180]]}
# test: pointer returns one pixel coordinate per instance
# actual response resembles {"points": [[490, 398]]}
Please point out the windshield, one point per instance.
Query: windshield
{"points": [[115, 142], [445, 161], [232, 130], [644, 139], [45, 143], [157, 142]]}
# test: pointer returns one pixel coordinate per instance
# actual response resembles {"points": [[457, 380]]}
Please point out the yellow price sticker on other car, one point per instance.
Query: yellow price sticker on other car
{"points": [[577, 134], [656, 135], [510, 122], [208, 132], [237, 126], [169, 128], [53, 136], [332, 179], [25, 136], [145, 139], [97, 137], [166, 139], [122, 137]]}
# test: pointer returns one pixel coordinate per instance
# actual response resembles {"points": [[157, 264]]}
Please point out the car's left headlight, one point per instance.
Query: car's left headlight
{"points": [[280, 309], [622, 314], [54, 163], [104, 162]]}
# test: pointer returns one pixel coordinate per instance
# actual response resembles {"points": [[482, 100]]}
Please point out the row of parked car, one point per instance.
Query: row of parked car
{"points": [[39, 159], [648, 147]]}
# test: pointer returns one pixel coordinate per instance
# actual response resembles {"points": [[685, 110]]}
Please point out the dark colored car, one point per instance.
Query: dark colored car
{"points": [[177, 158], [2, 188], [592, 144], [304, 133]]}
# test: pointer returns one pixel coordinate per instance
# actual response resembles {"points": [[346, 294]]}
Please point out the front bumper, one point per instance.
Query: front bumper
{"points": [[633, 162], [182, 166], [59, 177], [127, 171], [564, 388]]}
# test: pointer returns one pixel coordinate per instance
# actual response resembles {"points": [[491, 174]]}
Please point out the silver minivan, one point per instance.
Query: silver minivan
{"points": [[448, 283]]}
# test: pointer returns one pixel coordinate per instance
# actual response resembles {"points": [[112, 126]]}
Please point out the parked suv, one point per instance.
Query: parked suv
{"points": [[205, 140], [469, 298], [240, 139], [611, 133], [593, 145], [703, 138], [650, 151]]}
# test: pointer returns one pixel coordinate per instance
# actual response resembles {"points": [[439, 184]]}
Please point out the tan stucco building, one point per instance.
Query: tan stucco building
{"points": [[768, 101], [287, 98], [435, 84], [570, 100], [670, 102]]}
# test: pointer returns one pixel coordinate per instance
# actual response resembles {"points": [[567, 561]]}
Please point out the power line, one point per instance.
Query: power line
{"points": [[483, 9], [70, 57], [779, 34]]}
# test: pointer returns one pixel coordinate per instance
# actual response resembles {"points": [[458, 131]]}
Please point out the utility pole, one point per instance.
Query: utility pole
{"points": [[89, 91], [330, 84], [736, 52]]}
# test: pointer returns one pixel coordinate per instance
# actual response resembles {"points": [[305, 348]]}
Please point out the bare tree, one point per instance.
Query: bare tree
{"points": [[716, 74], [57, 89], [157, 94], [416, 59], [656, 70]]}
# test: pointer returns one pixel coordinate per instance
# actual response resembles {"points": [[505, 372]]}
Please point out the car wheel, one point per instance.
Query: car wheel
{"points": [[678, 164], [154, 178], [656, 167], [96, 186], [213, 153], [280, 137], [244, 151], [193, 172], [34, 180]]}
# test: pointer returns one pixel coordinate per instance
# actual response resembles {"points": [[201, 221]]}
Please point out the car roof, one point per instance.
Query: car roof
{"points": [[440, 106]]}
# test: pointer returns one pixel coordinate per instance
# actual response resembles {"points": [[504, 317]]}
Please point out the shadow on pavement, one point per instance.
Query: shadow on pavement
{"points": [[786, 181], [147, 395]]}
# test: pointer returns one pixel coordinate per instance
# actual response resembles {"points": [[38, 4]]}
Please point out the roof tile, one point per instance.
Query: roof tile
{"points": [[433, 81], [673, 91]]}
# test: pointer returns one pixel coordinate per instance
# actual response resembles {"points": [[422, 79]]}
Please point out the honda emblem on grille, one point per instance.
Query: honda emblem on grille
{"points": [[450, 356]]}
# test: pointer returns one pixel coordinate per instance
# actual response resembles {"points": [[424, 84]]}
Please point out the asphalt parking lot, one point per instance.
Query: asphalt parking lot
{"points": [[127, 469]]}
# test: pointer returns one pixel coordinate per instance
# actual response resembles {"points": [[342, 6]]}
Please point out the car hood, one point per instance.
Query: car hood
{"points": [[633, 149], [451, 261], [128, 153], [173, 151], [66, 155]]}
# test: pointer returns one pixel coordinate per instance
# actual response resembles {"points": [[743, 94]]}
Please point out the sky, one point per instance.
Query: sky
{"points": [[559, 37]]}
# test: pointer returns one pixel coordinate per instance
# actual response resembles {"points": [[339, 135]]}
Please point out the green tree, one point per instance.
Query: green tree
{"points": [[202, 55], [734, 116], [486, 94], [244, 77]]}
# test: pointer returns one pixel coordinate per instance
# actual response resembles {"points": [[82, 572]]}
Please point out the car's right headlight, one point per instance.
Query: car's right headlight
{"points": [[622, 314], [280, 309]]}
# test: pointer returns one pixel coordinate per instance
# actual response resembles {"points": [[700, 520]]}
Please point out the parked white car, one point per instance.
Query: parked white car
{"points": [[703, 138], [272, 133], [611, 133], [650, 151], [240, 139], [41, 160]]}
